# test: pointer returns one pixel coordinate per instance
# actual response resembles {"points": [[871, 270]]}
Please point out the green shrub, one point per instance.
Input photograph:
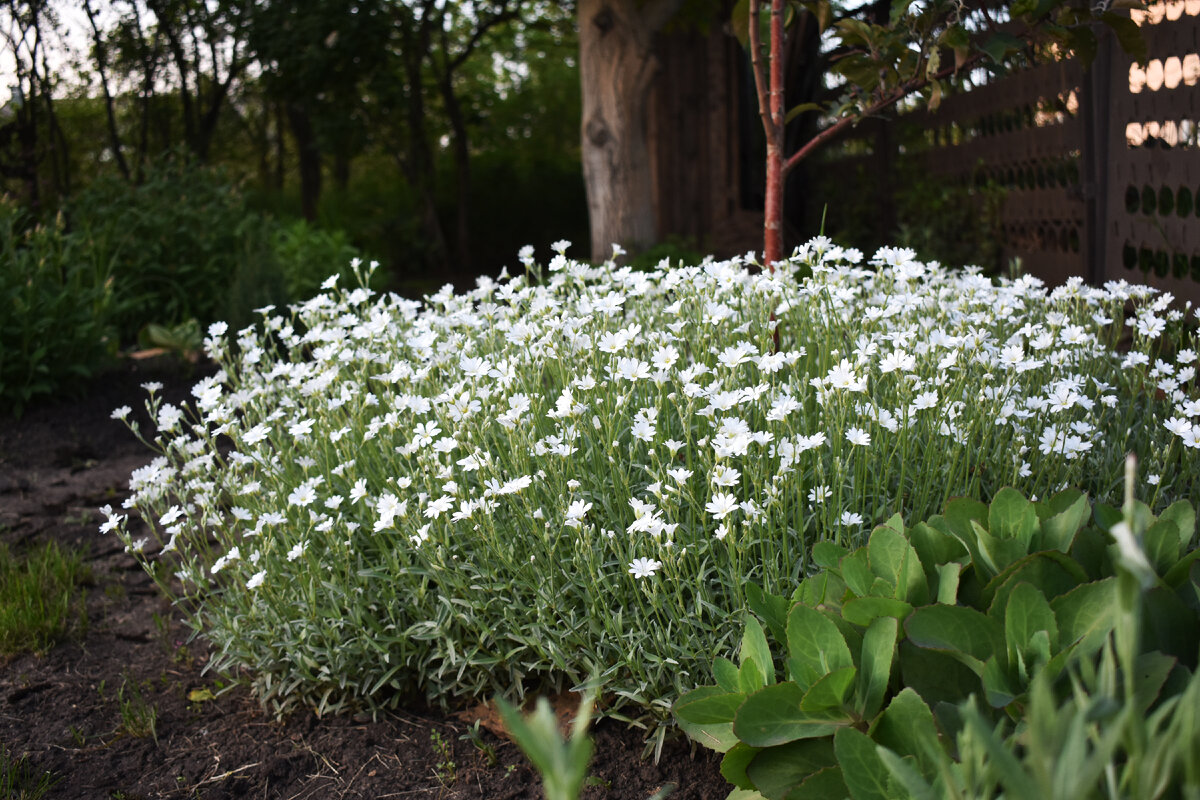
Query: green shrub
{"points": [[529, 484], [306, 256], [978, 602], [55, 330]]}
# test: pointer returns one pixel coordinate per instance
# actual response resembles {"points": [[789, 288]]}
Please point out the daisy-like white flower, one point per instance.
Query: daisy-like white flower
{"points": [[303, 495], [725, 476], [173, 513], [644, 567], [721, 505], [438, 507], [680, 474], [819, 494], [297, 550], [859, 437], [851, 519], [1178, 426], [256, 580], [121, 412], [576, 512], [843, 376], [923, 401]]}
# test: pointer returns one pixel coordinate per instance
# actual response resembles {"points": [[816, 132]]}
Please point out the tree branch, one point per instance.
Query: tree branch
{"points": [[760, 79], [895, 96]]}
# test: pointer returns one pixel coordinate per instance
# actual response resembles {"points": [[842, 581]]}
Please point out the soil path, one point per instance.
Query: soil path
{"points": [[61, 712]]}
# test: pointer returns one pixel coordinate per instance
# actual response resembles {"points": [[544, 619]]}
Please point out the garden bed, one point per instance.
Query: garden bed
{"points": [[61, 712]]}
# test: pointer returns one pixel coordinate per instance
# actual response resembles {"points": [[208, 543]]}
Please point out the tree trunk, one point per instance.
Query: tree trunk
{"points": [[616, 67], [310, 160], [462, 173]]}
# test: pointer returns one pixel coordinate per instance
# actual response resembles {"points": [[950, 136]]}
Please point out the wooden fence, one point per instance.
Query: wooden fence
{"points": [[1101, 166]]}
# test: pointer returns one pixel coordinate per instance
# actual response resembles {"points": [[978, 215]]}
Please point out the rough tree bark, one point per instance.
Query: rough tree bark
{"points": [[616, 67]]}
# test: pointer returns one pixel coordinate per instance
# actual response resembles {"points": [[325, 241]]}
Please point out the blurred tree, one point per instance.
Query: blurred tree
{"points": [[30, 134]]}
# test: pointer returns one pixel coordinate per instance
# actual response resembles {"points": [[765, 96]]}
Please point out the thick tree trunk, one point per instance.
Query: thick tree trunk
{"points": [[462, 174], [616, 67], [310, 160]]}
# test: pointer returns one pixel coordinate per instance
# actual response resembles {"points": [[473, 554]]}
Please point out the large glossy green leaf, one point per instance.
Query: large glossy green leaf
{"points": [[726, 674], [1086, 611], [856, 572], [998, 685], [733, 765], [771, 608], [756, 651], [707, 705], [815, 646], [1066, 513], [1161, 545], [947, 583], [1183, 514], [866, 776], [1169, 625], [1027, 613], [934, 547], [936, 676], [772, 717], [892, 558], [904, 773], [828, 554], [824, 588], [966, 634], [864, 610], [906, 726], [776, 771], [826, 784], [830, 691], [1011, 516], [1052, 572], [878, 653]]}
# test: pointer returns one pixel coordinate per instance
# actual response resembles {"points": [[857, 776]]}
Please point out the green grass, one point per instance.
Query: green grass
{"points": [[20, 781], [40, 598]]}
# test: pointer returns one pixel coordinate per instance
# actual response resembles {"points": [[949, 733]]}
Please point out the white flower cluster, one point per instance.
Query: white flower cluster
{"points": [[650, 430]]}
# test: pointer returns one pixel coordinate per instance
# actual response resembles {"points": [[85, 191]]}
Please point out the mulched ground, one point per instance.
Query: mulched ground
{"points": [[61, 711]]}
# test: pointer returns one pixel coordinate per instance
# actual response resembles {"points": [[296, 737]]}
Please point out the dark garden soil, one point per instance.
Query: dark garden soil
{"points": [[61, 711]]}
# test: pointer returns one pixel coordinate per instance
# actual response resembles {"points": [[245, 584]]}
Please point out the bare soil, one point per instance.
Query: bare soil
{"points": [[61, 710]]}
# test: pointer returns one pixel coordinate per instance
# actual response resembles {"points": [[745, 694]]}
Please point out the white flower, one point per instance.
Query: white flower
{"points": [[858, 436], [438, 507], [121, 412], [575, 513], [680, 474], [724, 476], [843, 376], [819, 494], [1178, 426], [851, 519], [256, 580], [922, 401], [644, 567], [721, 505], [303, 495], [297, 550], [173, 513]]}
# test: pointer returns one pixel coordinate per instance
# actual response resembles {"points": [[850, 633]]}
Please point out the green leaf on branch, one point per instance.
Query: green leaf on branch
{"points": [[739, 22], [1128, 34], [796, 111], [1000, 45]]}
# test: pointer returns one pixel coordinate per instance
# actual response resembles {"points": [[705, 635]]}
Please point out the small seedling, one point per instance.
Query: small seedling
{"points": [[445, 770], [474, 735]]}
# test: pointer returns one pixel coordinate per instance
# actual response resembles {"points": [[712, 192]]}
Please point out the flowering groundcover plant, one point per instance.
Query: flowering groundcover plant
{"points": [[572, 479]]}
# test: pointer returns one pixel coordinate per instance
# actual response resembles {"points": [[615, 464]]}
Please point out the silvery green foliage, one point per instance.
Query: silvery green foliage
{"points": [[538, 481]]}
